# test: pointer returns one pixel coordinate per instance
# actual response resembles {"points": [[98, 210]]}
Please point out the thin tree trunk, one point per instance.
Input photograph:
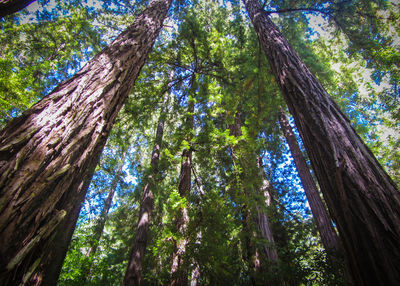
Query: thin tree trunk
{"points": [[328, 234], [249, 250], [262, 218], [133, 274], [179, 272], [99, 228], [47, 153], [362, 198], [8, 7], [195, 275]]}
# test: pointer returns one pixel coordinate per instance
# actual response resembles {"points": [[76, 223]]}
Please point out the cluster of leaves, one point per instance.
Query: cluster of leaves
{"points": [[40, 50]]}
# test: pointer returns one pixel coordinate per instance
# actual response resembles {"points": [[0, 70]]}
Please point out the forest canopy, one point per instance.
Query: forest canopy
{"points": [[180, 149]]}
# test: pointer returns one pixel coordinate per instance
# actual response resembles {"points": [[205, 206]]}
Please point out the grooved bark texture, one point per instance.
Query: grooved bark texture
{"points": [[8, 7], [52, 262], [46, 154], [362, 198], [328, 234], [133, 274]]}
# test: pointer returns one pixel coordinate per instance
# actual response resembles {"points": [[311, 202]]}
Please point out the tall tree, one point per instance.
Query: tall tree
{"points": [[254, 212], [362, 198], [328, 234], [46, 154], [262, 217], [133, 274], [179, 271], [8, 7]]}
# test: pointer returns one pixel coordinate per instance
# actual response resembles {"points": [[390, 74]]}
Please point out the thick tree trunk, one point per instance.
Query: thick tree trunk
{"points": [[46, 153], [8, 7], [328, 234], [179, 272], [362, 198], [51, 264], [133, 274]]}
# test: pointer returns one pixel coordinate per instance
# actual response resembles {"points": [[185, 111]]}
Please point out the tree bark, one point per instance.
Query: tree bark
{"points": [[328, 234], [179, 272], [362, 198], [262, 218], [47, 153], [51, 263], [133, 274], [8, 7]]}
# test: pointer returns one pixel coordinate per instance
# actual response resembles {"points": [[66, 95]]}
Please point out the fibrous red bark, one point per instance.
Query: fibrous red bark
{"points": [[363, 200], [328, 234], [46, 154], [256, 262]]}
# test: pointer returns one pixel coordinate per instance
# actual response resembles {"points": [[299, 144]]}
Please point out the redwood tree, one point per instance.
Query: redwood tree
{"points": [[325, 228], [133, 274], [263, 223], [47, 153], [259, 258], [179, 272], [361, 197]]}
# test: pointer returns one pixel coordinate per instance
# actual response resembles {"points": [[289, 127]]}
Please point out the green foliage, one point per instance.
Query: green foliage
{"points": [[216, 47], [38, 54]]}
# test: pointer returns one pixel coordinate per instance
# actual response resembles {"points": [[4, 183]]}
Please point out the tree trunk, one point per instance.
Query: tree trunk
{"points": [[52, 263], [262, 218], [328, 234], [8, 7], [133, 274], [362, 198], [179, 272], [47, 153], [249, 253]]}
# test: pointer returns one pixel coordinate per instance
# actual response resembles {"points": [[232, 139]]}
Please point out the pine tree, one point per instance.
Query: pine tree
{"points": [[47, 153], [362, 198]]}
